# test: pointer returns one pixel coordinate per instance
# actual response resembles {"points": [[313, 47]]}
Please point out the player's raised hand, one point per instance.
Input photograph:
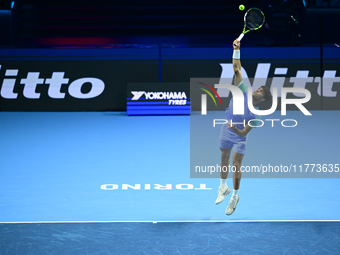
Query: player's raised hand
{"points": [[236, 44], [231, 126]]}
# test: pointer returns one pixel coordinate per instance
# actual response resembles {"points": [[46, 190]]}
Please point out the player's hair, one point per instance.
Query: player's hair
{"points": [[267, 93]]}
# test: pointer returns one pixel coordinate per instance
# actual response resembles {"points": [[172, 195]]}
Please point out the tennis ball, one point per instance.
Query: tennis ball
{"points": [[241, 7]]}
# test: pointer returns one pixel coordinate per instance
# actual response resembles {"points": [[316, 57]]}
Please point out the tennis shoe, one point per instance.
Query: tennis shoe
{"points": [[232, 205], [222, 192]]}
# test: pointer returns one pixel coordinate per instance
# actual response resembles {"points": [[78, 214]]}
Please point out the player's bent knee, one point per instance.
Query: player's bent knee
{"points": [[237, 165]]}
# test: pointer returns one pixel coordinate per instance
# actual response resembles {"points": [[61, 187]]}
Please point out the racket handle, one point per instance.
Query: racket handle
{"points": [[239, 38]]}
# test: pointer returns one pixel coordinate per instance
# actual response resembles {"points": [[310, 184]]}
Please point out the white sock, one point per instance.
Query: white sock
{"points": [[235, 193], [223, 183]]}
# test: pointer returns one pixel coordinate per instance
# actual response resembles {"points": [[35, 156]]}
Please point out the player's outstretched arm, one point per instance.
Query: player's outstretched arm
{"points": [[237, 63]]}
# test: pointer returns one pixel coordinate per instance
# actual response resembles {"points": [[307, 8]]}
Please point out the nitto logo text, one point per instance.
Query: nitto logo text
{"points": [[54, 83], [300, 80]]}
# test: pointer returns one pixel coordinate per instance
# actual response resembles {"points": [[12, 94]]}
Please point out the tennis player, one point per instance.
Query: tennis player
{"points": [[234, 136]]}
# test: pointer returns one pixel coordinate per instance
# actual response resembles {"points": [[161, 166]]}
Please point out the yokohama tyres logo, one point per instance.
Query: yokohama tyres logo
{"points": [[54, 83]]}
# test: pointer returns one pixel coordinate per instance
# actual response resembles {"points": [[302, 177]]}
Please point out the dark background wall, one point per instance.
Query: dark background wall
{"points": [[38, 23], [152, 41]]}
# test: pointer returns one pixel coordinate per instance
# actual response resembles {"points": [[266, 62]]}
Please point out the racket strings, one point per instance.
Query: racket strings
{"points": [[254, 19]]}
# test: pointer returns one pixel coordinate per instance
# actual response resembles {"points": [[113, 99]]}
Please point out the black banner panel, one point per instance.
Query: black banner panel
{"points": [[97, 79], [297, 68], [77, 80]]}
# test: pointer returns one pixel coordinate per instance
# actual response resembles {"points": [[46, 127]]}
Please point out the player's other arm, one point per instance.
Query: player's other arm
{"points": [[237, 63], [240, 132]]}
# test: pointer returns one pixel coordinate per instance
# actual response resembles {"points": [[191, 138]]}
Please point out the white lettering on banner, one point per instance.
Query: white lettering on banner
{"points": [[165, 95], [137, 94], [328, 80], [300, 81], [261, 75], [158, 95], [30, 85], [96, 89], [177, 102], [186, 186], [281, 70], [7, 89], [262, 72], [11, 72], [54, 83]]}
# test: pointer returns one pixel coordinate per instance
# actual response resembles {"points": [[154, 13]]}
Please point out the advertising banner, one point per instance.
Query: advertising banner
{"points": [[158, 99], [97, 80]]}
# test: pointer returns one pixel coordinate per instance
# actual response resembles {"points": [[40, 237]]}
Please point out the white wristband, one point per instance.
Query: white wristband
{"points": [[236, 54]]}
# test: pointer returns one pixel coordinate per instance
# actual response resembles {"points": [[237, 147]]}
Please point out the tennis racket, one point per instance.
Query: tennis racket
{"points": [[253, 20]]}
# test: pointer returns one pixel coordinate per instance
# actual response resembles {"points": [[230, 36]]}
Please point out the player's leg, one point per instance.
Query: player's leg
{"points": [[225, 156], [237, 163], [224, 189]]}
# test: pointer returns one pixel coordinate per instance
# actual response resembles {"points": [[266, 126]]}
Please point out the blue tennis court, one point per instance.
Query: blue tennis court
{"points": [[107, 183], [106, 166]]}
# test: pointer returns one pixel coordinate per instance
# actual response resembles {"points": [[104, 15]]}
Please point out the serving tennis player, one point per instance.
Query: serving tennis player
{"points": [[234, 136]]}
